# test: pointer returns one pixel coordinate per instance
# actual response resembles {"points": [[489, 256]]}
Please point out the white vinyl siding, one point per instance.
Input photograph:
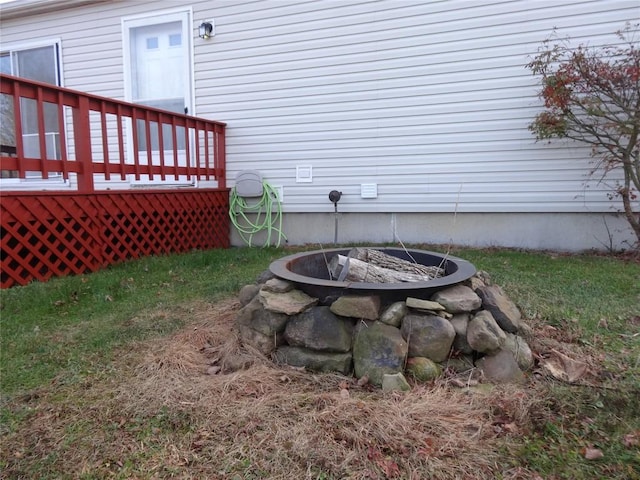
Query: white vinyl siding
{"points": [[430, 100]]}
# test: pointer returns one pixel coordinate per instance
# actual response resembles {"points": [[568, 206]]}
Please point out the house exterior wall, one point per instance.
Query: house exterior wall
{"points": [[429, 101], [540, 231]]}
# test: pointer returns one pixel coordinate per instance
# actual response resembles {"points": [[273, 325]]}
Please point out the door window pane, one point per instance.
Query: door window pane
{"points": [[158, 78], [152, 43]]}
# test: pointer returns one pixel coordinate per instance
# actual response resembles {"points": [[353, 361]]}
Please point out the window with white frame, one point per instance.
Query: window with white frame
{"points": [[36, 61]]}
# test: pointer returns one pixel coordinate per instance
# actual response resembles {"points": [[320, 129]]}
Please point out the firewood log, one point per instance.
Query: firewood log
{"points": [[384, 260], [359, 271]]}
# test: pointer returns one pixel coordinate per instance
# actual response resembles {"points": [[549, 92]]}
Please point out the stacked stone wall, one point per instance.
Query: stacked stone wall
{"points": [[470, 327]]}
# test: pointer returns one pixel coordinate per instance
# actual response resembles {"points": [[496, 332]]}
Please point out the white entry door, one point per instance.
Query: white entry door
{"points": [[158, 60]]}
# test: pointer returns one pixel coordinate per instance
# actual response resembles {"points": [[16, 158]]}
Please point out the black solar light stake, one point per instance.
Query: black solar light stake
{"points": [[334, 196]]}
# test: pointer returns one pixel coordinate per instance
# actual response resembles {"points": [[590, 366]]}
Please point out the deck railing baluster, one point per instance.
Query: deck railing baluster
{"points": [[63, 138], [174, 138], [199, 156], [42, 139], [134, 141], [121, 151], [17, 124], [147, 136], [105, 142], [187, 142], [161, 148]]}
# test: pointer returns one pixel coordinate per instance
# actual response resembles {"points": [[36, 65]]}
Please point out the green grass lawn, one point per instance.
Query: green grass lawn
{"points": [[63, 326], [61, 337]]}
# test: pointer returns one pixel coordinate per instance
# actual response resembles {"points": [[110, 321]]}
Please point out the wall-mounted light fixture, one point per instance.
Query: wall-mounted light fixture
{"points": [[206, 30]]}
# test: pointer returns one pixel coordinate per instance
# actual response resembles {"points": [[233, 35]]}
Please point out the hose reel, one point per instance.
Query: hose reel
{"points": [[255, 207]]}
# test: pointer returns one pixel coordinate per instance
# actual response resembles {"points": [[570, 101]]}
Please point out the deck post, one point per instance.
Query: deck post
{"points": [[220, 156], [82, 139]]}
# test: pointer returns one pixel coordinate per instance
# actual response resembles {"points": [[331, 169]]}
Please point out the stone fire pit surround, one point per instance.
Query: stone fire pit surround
{"points": [[470, 326]]}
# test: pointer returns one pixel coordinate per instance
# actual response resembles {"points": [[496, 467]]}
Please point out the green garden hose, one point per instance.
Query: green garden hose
{"points": [[267, 211]]}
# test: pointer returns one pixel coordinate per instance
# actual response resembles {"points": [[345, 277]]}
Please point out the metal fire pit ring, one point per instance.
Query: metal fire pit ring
{"points": [[309, 272]]}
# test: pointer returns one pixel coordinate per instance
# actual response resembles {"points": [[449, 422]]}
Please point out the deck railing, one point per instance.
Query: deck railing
{"points": [[100, 136], [102, 147]]}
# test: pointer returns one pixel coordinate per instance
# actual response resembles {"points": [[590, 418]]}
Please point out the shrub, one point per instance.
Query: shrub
{"points": [[592, 95]]}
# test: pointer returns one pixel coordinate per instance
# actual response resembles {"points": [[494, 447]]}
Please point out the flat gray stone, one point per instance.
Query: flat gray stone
{"points": [[457, 299], [277, 285], [357, 306], [289, 303], [420, 304]]}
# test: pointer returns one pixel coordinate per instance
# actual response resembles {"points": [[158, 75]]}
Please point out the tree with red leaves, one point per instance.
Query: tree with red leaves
{"points": [[592, 95]]}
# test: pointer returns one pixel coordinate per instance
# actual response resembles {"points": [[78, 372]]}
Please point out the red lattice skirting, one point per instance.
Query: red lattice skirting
{"points": [[53, 234]]}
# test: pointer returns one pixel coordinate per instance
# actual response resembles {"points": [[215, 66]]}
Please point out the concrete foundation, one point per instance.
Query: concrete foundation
{"points": [[571, 232]]}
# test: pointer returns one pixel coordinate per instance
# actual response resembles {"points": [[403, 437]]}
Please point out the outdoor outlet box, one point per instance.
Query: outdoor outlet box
{"points": [[369, 190], [279, 191]]}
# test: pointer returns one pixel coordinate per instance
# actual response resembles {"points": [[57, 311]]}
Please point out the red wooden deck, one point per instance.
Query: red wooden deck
{"points": [[79, 229]]}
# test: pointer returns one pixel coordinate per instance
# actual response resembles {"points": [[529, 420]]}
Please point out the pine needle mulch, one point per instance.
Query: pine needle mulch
{"points": [[197, 405]]}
